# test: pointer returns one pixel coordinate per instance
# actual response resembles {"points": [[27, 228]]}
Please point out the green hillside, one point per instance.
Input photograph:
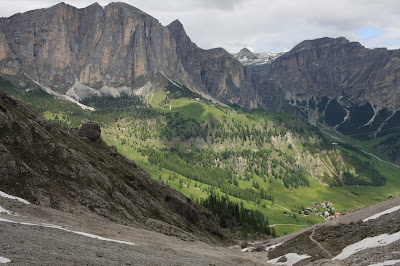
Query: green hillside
{"points": [[275, 164]]}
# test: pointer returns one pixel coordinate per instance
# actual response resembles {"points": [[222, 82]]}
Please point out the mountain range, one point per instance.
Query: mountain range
{"points": [[338, 83]]}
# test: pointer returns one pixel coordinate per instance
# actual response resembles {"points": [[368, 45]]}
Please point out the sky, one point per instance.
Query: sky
{"points": [[261, 25]]}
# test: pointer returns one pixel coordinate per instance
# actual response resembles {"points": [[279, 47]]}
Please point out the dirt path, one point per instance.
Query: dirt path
{"points": [[392, 164], [338, 139], [319, 244], [273, 225]]}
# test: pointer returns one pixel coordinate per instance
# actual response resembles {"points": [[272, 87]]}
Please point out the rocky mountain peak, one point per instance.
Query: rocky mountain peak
{"points": [[178, 32], [245, 53]]}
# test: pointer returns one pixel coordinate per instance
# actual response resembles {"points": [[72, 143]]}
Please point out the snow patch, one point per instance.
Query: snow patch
{"points": [[100, 237], [4, 260], [388, 262], [2, 210], [369, 242], [373, 217], [261, 58], [5, 195], [292, 258], [67, 230], [272, 247]]}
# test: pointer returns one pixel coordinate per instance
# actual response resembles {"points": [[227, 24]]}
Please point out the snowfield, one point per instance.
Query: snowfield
{"points": [[5, 195], [272, 247], [2, 210], [369, 242], [388, 262], [292, 258], [67, 230], [4, 260], [382, 213]]}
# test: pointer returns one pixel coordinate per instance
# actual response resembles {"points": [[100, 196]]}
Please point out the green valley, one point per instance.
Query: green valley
{"points": [[275, 164]]}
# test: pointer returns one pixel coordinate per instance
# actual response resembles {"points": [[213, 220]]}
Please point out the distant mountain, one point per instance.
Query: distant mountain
{"points": [[248, 58], [338, 83]]}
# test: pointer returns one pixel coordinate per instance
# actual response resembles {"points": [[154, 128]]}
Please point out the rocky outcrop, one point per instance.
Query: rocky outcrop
{"points": [[60, 168], [91, 131]]}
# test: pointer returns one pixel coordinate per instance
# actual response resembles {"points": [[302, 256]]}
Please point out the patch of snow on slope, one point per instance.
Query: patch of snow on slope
{"points": [[382, 213], [262, 58], [292, 258], [272, 247], [385, 263], [67, 230], [5, 195], [369, 242], [2, 210], [4, 260]]}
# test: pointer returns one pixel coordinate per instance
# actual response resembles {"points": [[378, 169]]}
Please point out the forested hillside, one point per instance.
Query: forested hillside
{"points": [[275, 164]]}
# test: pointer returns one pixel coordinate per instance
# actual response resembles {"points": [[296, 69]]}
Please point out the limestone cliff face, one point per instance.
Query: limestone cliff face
{"points": [[112, 46], [97, 46], [214, 71]]}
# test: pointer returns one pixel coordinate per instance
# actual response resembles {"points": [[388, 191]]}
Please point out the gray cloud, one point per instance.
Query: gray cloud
{"points": [[272, 25]]}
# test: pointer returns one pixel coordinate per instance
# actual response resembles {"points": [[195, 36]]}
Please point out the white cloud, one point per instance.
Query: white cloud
{"points": [[272, 25]]}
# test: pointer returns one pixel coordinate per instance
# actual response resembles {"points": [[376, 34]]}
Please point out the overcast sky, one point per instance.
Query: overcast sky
{"points": [[261, 25]]}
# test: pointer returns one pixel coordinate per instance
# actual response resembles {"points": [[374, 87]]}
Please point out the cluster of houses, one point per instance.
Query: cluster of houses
{"points": [[327, 213]]}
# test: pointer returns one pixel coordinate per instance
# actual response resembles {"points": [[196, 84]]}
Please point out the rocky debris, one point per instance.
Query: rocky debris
{"points": [[60, 168]]}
